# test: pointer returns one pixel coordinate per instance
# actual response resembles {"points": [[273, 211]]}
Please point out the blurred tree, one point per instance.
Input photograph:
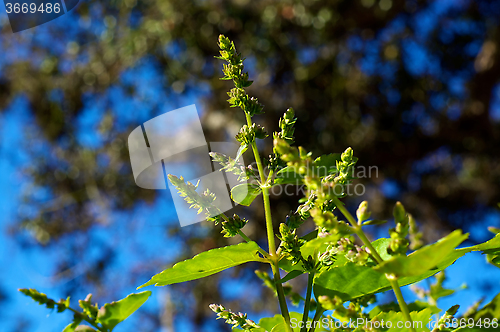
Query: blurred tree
{"points": [[412, 86]]}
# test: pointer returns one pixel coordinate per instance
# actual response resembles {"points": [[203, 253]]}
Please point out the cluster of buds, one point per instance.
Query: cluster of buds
{"points": [[297, 158], [286, 124], [234, 71], [295, 297], [348, 249], [42, 299], [248, 134], [353, 311], [444, 321], [416, 237], [325, 220], [399, 243], [90, 310], [362, 212], [435, 291], [235, 319], [322, 215], [343, 176], [322, 186], [232, 226], [290, 244], [304, 210], [345, 167], [229, 164], [269, 282], [201, 202], [234, 68], [294, 220], [274, 162]]}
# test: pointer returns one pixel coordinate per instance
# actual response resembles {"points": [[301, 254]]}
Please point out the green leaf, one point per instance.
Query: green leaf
{"points": [[381, 246], [268, 324], [245, 193], [71, 327], [310, 236], [492, 244], [374, 222], [287, 175], [243, 148], [350, 281], [277, 324], [326, 164], [115, 312], [207, 263], [493, 259], [423, 259], [420, 320], [414, 306], [295, 319], [292, 275]]}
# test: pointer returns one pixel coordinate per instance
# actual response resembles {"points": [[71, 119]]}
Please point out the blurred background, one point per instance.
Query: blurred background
{"points": [[412, 86]]}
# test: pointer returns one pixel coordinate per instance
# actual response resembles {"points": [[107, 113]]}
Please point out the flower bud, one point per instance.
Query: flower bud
{"points": [[347, 155], [362, 213], [400, 214]]}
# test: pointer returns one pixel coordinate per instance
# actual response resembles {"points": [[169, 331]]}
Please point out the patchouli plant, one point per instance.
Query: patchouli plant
{"points": [[344, 269]]}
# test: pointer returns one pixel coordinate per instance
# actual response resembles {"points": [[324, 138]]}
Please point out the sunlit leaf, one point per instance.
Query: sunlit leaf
{"points": [[423, 259], [71, 327], [243, 148], [207, 263], [245, 193], [396, 321], [351, 281], [374, 222], [287, 175], [414, 306], [113, 313]]}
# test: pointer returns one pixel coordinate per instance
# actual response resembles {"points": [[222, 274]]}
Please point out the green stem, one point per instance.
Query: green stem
{"points": [[270, 233], [394, 283], [281, 296], [305, 316], [85, 318], [317, 315], [265, 194], [401, 301]]}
